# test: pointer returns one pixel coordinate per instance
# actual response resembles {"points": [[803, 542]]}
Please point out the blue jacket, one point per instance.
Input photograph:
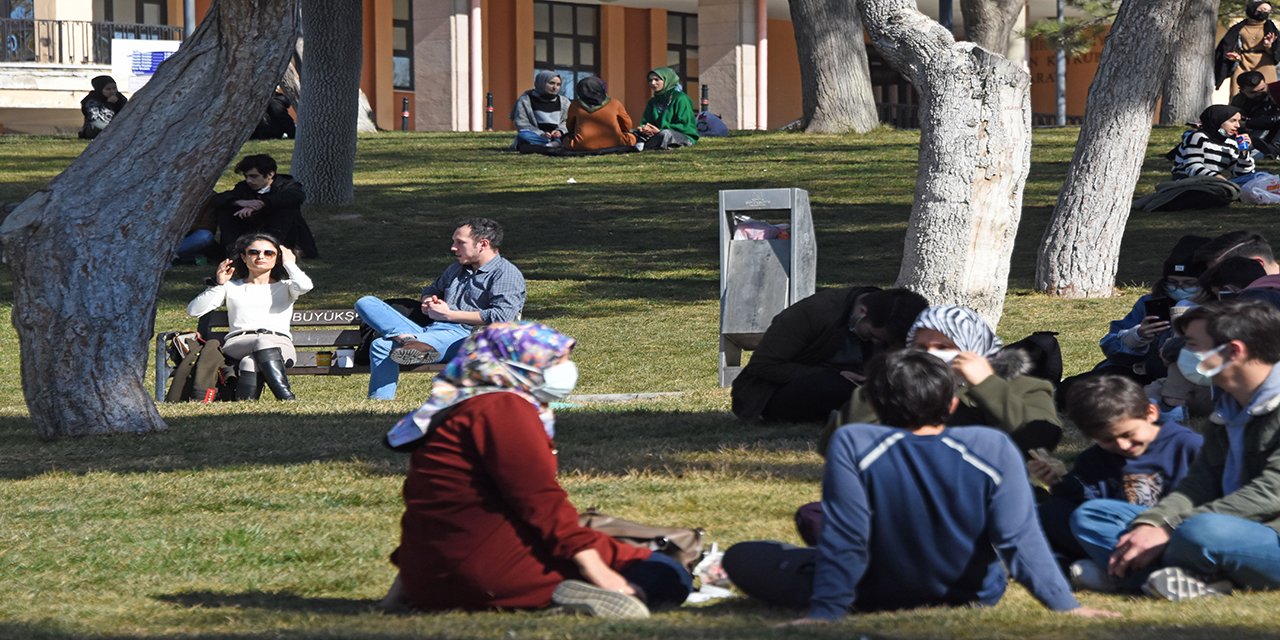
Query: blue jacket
{"points": [[1143, 480], [916, 521]]}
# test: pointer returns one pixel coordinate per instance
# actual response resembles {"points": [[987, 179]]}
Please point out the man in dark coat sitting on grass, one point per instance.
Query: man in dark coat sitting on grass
{"points": [[811, 357], [264, 202]]}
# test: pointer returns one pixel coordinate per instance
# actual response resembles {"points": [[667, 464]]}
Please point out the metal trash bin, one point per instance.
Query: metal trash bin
{"points": [[759, 278]]}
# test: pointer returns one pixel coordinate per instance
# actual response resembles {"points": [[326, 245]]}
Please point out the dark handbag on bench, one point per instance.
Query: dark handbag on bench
{"points": [[683, 544]]}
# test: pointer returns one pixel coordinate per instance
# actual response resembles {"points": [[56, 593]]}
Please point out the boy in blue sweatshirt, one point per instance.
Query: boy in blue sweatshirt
{"points": [[917, 513], [1133, 459]]}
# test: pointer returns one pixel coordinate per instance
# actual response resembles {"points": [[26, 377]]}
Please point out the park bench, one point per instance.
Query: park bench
{"points": [[313, 330]]}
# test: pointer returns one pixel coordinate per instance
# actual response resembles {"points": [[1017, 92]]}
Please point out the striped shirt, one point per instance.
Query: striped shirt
{"points": [[496, 289], [1199, 155], [913, 520]]}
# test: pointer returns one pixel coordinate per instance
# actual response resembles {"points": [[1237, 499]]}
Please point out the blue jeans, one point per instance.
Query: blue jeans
{"points": [[534, 138], [194, 244], [1210, 544], [661, 581], [384, 373]]}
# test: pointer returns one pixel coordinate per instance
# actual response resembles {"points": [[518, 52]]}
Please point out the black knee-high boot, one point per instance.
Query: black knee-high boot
{"points": [[271, 368], [248, 385]]}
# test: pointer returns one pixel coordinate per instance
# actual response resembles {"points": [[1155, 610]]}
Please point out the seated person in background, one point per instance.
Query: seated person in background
{"points": [[669, 118], [811, 357], [1230, 277], [1133, 459], [486, 525], [1218, 529], [100, 106], [276, 122], [1259, 112], [919, 513], [196, 244], [1132, 344], [481, 288], [994, 389], [1212, 148], [597, 121], [264, 202], [1251, 245], [540, 113]]}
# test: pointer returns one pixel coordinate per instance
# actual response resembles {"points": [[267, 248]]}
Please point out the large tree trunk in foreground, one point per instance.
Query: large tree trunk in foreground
{"points": [[989, 23], [291, 84], [88, 252], [1188, 87], [1081, 247], [975, 153], [325, 155], [834, 75]]}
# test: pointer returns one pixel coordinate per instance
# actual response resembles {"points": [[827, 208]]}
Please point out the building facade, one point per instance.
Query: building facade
{"points": [[459, 65]]}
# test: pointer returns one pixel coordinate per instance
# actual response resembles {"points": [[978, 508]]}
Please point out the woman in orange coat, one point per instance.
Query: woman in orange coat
{"points": [[596, 121]]}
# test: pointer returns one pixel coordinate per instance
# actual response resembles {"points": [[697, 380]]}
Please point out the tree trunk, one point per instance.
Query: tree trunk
{"points": [[1081, 247], [989, 23], [834, 75], [88, 252], [1188, 87], [325, 154], [291, 84], [975, 153]]}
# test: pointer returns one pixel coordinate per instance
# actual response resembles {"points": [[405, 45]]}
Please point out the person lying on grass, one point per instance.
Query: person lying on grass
{"points": [[1218, 529], [918, 513], [486, 525]]}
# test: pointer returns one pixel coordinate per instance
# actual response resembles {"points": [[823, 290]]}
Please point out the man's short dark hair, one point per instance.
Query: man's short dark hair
{"points": [[483, 229], [1097, 402], [1242, 243], [893, 310], [1249, 79], [909, 388], [1253, 322], [262, 162], [1236, 271]]}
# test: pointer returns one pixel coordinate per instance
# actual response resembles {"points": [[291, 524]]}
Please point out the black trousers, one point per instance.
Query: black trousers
{"points": [[810, 398]]}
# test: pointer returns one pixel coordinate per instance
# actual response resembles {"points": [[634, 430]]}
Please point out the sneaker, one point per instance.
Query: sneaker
{"points": [[580, 597], [1176, 584], [1086, 575], [413, 352]]}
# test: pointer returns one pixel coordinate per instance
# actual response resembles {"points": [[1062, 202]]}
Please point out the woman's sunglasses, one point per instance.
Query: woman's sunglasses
{"points": [[268, 253]]}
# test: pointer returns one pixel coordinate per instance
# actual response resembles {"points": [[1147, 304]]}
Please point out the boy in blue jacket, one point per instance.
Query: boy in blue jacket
{"points": [[917, 513], [1134, 459]]}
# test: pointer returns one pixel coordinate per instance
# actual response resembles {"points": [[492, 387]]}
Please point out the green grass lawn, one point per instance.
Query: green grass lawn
{"points": [[275, 521]]}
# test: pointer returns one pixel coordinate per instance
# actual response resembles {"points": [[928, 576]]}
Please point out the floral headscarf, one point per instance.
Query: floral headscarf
{"points": [[963, 325], [505, 356]]}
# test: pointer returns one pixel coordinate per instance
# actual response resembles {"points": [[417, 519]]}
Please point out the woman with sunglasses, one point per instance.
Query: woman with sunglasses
{"points": [[258, 286]]}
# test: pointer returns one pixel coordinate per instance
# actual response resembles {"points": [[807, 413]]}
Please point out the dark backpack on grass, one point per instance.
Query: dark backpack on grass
{"points": [[203, 373]]}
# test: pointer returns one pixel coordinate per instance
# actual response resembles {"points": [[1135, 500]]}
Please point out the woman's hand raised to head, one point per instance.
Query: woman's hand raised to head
{"points": [[287, 256], [972, 367], [226, 269]]}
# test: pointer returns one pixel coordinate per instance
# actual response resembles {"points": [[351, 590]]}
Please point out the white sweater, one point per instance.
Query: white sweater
{"points": [[255, 306]]}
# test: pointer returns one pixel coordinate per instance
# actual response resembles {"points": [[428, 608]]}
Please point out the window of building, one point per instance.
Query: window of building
{"points": [[566, 40], [682, 49], [136, 11], [402, 45], [17, 9]]}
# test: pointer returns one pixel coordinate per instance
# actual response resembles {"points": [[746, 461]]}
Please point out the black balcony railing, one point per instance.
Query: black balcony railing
{"points": [[71, 41]]}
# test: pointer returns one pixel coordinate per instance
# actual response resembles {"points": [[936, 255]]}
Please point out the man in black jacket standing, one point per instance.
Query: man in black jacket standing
{"points": [[264, 202]]}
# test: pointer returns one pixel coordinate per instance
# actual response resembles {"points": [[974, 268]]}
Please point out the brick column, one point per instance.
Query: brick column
{"points": [[441, 64], [727, 53]]}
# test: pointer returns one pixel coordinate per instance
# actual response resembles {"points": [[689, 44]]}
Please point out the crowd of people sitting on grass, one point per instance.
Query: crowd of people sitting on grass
{"points": [[595, 123], [940, 479]]}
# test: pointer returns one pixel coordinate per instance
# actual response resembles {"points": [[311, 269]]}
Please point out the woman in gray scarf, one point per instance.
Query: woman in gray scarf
{"points": [[541, 112]]}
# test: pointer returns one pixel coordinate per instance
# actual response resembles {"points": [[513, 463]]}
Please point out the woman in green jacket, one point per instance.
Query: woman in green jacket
{"points": [[669, 119]]}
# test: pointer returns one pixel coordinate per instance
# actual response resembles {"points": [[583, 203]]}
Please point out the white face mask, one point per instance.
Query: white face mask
{"points": [[945, 355], [558, 381], [1189, 364]]}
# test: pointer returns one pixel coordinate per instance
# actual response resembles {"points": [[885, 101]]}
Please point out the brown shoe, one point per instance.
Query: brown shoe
{"points": [[414, 352]]}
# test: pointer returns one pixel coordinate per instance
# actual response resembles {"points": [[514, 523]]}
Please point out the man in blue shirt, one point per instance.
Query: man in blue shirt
{"points": [[917, 513], [482, 288]]}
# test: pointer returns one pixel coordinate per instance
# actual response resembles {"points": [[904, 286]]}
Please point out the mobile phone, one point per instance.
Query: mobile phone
{"points": [[1159, 307]]}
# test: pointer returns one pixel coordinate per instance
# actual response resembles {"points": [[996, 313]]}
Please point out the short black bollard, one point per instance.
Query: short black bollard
{"points": [[706, 101], [488, 111], [404, 114]]}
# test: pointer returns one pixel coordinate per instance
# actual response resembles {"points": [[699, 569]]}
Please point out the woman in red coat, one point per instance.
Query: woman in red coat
{"points": [[486, 525]]}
